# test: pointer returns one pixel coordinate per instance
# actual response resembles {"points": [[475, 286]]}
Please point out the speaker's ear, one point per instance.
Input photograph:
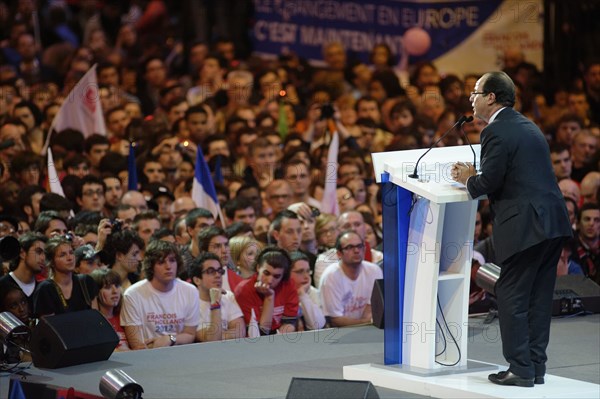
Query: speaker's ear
{"points": [[72, 338]]}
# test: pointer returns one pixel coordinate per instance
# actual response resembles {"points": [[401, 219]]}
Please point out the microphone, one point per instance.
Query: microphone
{"points": [[460, 121], [7, 144], [469, 119]]}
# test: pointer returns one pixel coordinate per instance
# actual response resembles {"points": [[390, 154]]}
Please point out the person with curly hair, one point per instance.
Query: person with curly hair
{"points": [[160, 310]]}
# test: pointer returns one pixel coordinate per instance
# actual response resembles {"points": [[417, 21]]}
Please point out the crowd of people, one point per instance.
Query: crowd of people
{"points": [[166, 272]]}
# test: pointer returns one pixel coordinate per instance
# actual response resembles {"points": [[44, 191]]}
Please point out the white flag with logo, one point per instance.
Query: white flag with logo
{"points": [[253, 327], [203, 188], [81, 110]]}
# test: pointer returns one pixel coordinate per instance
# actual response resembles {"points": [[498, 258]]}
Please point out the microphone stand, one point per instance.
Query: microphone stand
{"points": [[469, 119], [460, 121]]}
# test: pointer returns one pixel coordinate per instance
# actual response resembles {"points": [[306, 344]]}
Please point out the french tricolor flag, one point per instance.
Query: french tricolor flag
{"points": [[203, 189]]}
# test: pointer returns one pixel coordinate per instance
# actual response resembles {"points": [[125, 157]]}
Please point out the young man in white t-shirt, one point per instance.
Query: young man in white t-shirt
{"points": [[346, 287], [161, 310], [220, 316]]}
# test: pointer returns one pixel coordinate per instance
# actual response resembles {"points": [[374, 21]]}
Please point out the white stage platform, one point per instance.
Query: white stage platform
{"points": [[468, 385]]}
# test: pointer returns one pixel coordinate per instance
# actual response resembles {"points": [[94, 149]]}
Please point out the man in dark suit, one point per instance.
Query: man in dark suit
{"points": [[530, 224]]}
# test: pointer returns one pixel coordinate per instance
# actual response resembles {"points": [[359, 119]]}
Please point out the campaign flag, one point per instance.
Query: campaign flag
{"points": [[203, 188], [253, 327], [81, 110], [132, 180], [53, 180], [16, 390], [329, 203]]}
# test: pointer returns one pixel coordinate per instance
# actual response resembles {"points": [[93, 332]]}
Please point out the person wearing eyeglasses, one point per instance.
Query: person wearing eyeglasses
{"points": [[220, 315], [214, 239], [310, 315], [160, 310], [530, 225], [270, 294], [346, 286], [353, 221], [90, 194]]}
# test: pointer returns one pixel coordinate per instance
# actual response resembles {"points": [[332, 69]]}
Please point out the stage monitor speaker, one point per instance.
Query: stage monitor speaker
{"points": [[72, 338], [377, 304], [308, 388], [575, 294]]}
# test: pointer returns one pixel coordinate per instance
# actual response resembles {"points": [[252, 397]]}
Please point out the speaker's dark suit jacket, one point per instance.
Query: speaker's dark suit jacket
{"points": [[518, 179]]}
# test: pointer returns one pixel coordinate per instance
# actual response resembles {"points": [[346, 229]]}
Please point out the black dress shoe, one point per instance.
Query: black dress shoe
{"points": [[508, 378], [539, 380]]}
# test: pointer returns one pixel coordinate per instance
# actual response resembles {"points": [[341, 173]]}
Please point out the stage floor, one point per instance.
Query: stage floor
{"points": [[263, 368]]}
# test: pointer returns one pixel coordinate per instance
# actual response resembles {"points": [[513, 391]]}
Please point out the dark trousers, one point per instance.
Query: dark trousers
{"points": [[524, 292]]}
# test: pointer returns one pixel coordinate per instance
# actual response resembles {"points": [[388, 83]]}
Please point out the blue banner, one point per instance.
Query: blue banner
{"points": [[425, 29]]}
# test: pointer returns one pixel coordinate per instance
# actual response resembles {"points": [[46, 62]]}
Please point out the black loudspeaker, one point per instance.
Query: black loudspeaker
{"points": [[574, 294], [72, 338], [309, 388], [377, 304]]}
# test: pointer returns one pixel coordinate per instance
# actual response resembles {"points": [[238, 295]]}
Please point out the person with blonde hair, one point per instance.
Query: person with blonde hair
{"points": [[243, 254], [326, 231]]}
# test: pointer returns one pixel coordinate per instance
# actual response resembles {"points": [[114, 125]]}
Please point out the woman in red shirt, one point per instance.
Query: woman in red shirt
{"points": [[109, 301]]}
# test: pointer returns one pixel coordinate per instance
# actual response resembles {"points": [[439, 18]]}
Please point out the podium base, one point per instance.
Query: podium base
{"points": [[471, 367], [465, 383]]}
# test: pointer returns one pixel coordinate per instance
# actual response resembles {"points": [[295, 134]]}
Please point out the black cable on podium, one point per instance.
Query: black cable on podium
{"points": [[451, 336]]}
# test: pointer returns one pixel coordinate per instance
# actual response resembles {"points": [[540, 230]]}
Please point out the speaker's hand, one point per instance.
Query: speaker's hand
{"points": [[462, 171]]}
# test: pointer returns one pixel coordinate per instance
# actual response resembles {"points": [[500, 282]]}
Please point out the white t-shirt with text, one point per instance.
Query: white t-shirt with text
{"points": [[343, 297], [160, 313]]}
